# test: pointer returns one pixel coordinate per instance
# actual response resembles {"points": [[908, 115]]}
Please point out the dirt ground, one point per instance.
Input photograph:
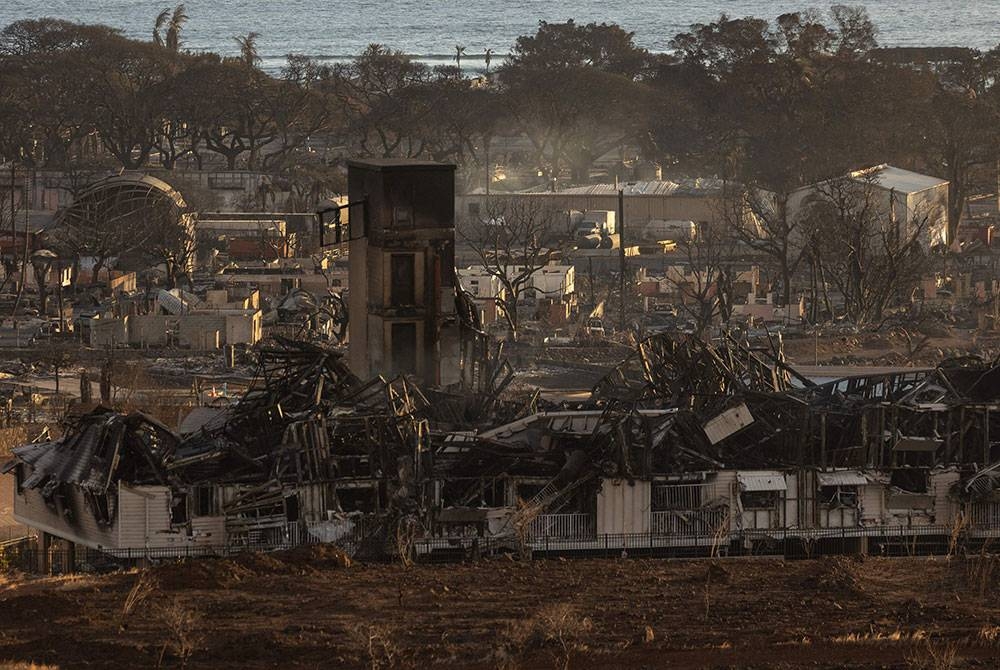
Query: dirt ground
{"points": [[304, 609]]}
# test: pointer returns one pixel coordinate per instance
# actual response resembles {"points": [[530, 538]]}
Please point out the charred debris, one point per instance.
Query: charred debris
{"points": [[312, 450]]}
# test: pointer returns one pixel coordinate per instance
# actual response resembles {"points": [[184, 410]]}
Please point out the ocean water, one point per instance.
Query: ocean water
{"points": [[430, 29]]}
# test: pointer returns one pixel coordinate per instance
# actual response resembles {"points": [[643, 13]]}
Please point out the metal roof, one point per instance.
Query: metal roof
{"points": [[917, 444], [901, 180], [139, 186], [582, 422], [386, 164], [842, 478], [762, 481], [685, 187]]}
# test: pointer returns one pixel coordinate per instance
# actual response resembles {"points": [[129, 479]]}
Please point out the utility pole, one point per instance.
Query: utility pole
{"points": [[59, 297], [24, 258], [621, 249]]}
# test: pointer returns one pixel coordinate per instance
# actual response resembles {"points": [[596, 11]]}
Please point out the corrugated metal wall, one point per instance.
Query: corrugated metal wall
{"points": [[144, 518], [945, 509], [623, 507]]}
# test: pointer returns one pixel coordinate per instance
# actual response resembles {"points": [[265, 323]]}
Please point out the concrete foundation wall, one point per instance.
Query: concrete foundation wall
{"points": [[201, 331], [150, 330], [109, 332]]}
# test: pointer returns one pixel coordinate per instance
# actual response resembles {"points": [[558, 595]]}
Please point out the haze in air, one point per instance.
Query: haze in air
{"points": [[509, 335]]}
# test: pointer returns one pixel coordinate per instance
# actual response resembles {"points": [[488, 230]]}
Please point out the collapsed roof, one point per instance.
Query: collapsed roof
{"points": [[676, 405]]}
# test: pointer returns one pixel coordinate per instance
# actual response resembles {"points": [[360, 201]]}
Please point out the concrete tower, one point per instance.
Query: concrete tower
{"points": [[402, 270]]}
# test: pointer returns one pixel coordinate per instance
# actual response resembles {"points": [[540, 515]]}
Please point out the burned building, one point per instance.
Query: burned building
{"points": [[402, 270], [417, 434], [684, 444]]}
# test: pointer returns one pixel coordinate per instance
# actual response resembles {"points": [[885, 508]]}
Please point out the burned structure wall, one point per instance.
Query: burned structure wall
{"points": [[683, 439], [418, 433], [402, 270]]}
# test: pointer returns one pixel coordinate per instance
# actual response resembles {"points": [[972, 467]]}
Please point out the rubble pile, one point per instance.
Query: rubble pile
{"points": [[313, 450]]}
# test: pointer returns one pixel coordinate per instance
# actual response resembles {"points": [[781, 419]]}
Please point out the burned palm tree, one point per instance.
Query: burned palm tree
{"points": [[168, 26], [174, 28], [162, 20], [248, 48]]}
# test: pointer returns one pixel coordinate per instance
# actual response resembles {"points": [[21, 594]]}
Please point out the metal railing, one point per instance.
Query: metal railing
{"points": [[569, 526], [14, 532], [686, 522], [784, 542], [980, 514], [569, 535]]}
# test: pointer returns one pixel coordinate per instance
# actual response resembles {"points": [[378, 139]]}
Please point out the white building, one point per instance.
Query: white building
{"points": [[901, 195], [552, 283], [484, 288], [659, 230]]}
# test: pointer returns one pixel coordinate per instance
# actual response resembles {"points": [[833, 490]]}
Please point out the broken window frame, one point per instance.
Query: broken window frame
{"points": [[402, 217], [838, 495], [760, 500], [897, 479], [205, 502], [179, 513], [402, 290]]}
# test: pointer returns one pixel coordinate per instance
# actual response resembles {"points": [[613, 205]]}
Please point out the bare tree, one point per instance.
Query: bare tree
{"points": [[703, 276], [59, 356], [170, 241], [103, 227], [10, 212], [762, 220], [865, 243], [512, 240]]}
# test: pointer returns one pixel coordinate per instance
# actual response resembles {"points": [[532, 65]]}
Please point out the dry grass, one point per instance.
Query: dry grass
{"points": [[183, 629], [988, 635], [874, 638], [980, 571], [956, 532], [556, 627], [932, 656], [720, 537], [406, 535], [278, 614], [145, 585], [10, 438], [378, 644], [560, 626]]}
